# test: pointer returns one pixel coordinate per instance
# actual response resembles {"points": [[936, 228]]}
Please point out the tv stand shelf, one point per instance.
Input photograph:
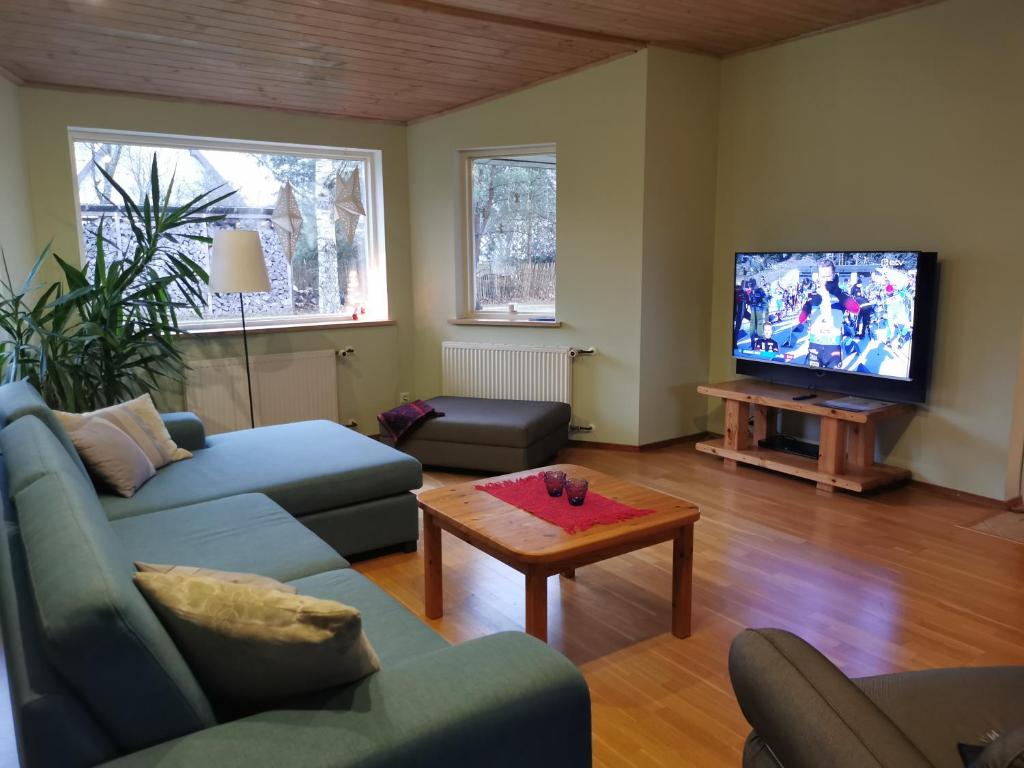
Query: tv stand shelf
{"points": [[847, 448]]}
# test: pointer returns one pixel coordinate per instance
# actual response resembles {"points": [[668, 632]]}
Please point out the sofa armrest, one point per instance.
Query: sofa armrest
{"points": [[185, 429], [807, 712], [503, 701]]}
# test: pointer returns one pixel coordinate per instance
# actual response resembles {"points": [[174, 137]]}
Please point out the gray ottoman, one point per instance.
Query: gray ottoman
{"points": [[491, 435]]}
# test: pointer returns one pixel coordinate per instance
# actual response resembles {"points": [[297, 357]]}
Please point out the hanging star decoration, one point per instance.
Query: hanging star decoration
{"points": [[287, 220], [348, 202]]}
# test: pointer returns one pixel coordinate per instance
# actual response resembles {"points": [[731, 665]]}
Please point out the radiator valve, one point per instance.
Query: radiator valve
{"points": [[346, 352]]}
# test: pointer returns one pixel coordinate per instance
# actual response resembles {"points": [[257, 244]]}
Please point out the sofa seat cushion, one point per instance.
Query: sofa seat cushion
{"points": [[305, 467], [482, 421], [936, 708], [245, 534], [395, 633]]}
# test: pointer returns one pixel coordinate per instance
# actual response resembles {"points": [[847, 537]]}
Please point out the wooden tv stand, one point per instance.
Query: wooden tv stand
{"points": [[847, 444]]}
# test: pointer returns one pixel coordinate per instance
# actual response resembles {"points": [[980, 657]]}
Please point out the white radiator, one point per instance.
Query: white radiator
{"points": [[507, 371], [289, 387]]}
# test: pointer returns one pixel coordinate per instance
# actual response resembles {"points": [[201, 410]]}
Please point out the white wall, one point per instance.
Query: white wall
{"points": [[679, 234], [905, 132], [596, 119], [636, 146], [15, 214]]}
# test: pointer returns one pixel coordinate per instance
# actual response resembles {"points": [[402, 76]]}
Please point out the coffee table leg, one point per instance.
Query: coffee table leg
{"points": [[537, 604], [682, 581], [433, 591]]}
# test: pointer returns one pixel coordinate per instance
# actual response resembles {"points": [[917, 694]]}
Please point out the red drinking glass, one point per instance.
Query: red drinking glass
{"points": [[576, 490], [554, 481]]}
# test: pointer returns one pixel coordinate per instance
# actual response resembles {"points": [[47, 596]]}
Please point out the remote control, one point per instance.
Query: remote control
{"points": [[804, 397]]}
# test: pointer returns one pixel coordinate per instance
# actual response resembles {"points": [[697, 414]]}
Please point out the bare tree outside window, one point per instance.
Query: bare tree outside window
{"points": [[513, 244], [329, 275]]}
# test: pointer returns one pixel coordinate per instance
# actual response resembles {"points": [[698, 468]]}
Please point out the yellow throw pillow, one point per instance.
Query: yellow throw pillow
{"points": [[252, 579], [112, 456], [250, 647], [141, 421]]}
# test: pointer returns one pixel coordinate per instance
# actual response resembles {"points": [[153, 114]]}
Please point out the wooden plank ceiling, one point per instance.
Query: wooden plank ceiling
{"points": [[384, 59]]}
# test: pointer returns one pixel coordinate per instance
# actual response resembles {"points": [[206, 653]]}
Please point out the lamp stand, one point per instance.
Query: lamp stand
{"points": [[248, 376]]}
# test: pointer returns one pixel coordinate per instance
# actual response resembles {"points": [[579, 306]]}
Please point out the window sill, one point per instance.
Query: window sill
{"points": [[505, 321], [284, 328]]}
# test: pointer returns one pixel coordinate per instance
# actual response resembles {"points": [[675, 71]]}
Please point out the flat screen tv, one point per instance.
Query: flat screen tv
{"points": [[858, 322]]}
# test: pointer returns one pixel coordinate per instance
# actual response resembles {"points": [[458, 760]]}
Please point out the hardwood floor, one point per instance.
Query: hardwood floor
{"points": [[879, 583]]}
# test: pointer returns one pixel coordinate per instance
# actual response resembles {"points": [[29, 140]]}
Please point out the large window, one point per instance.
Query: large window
{"points": [[317, 209], [509, 233]]}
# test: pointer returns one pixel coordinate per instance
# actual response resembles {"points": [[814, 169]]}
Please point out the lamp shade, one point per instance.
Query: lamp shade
{"points": [[236, 263]]}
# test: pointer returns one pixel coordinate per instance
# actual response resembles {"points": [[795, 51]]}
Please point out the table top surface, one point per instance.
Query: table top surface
{"points": [[492, 524]]}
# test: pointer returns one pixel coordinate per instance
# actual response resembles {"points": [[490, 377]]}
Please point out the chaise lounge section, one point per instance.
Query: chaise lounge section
{"points": [[351, 490], [96, 680]]}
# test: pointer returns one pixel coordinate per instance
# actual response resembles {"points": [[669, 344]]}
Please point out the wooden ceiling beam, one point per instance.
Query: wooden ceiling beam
{"points": [[461, 12]]}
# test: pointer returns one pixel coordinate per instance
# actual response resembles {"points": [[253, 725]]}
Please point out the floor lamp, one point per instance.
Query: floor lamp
{"points": [[237, 266]]}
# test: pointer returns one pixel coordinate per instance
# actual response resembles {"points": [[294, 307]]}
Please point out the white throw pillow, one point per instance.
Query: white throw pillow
{"points": [[141, 421]]}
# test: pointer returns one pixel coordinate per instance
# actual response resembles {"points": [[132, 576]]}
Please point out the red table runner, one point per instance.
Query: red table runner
{"points": [[530, 494]]}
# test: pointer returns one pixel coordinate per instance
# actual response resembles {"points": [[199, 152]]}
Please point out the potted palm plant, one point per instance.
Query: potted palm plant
{"points": [[109, 330]]}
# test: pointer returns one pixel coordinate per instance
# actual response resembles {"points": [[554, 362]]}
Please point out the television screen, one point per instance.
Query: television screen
{"points": [[845, 311]]}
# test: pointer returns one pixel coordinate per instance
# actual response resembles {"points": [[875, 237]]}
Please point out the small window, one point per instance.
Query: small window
{"points": [[510, 241], [317, 211]]}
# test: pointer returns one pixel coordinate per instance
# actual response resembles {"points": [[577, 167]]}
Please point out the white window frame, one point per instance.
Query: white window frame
{"points": [[377, 292], [465, 287]]}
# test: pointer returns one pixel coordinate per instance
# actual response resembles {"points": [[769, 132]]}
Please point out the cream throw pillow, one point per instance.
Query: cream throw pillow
{"points": [[250, 646], [112, 456], [141, 421], [252, 579]]}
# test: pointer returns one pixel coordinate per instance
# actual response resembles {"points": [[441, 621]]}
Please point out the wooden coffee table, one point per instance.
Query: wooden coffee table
{"points": [[539, 549]]}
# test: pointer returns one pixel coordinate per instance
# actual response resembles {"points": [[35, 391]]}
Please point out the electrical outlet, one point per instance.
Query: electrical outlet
{"points": [[403, 397]]}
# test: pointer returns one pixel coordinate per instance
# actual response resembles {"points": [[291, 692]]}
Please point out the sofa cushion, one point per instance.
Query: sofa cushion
{"points": [[19, 399], [480, 421], [396, 634], [30, 459], [112, 457], [140, 420], [247, 534], [295, 644], [97, 628], [231, 577], [305, 467], [936, 708]]}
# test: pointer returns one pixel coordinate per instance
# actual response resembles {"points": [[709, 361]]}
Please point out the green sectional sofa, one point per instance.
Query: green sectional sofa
{"points": [[96, 680]]}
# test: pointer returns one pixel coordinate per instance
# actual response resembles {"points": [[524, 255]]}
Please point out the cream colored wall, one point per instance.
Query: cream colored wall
{"points": [[368, 382], [596, 119], [901, 133], [15, 214], [679, 234], [1015, 467]]}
